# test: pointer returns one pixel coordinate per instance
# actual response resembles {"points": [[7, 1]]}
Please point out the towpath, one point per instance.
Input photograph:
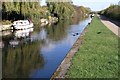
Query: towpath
{"points": [[114, 26]]}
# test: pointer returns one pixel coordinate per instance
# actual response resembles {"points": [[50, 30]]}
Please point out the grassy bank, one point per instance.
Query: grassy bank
{"points": [[98, 55]]}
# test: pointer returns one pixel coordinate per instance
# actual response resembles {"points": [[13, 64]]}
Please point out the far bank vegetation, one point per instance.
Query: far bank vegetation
{"points": [[12, 11]]}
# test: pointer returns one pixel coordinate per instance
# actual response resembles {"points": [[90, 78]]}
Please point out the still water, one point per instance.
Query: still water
{"points": [[40, 52]]}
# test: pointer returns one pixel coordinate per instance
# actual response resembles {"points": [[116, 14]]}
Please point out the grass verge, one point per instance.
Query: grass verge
{"points": [[98, 55]]}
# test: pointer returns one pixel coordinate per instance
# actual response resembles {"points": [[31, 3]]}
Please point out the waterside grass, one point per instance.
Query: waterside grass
{"points": [[98, 55]]}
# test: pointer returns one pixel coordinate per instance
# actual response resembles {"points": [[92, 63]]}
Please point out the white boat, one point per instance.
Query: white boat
{"points": [[22, 24], [92, 15]]}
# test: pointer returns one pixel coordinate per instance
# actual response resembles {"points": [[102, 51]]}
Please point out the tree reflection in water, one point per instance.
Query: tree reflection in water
{"points": [[57, 32], [76, 19], [19, 62]]}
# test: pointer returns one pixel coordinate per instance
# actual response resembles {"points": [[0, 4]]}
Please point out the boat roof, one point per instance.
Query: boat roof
{"points": [[21, 21]]}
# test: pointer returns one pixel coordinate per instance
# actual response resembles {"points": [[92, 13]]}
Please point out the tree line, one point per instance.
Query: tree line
{"points": [[22, 10], [112, 12]]}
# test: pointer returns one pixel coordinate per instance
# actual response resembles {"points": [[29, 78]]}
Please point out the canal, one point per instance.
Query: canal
{"points": [[39, 54]]}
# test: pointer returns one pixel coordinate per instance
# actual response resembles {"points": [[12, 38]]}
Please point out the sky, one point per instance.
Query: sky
{"points": [[94, 5]]}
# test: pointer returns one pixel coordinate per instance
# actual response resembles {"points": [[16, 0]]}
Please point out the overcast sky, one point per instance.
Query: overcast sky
{"points": [[95, 5]]}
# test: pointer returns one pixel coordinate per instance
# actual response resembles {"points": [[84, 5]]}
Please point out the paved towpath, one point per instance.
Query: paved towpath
{"points": [[110, 25]]}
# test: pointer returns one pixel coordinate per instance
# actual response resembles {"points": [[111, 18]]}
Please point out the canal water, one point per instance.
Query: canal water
{"points": [[39, 53]]}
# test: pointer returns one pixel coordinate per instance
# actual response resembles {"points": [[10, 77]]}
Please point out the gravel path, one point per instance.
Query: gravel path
{"points": [[114, 28]]}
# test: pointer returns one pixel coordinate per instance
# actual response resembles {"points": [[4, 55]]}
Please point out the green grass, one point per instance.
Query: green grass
{"points": [[98, 55]]}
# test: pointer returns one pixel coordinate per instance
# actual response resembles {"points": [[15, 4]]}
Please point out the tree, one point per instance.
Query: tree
{"points": [[63, 10]]}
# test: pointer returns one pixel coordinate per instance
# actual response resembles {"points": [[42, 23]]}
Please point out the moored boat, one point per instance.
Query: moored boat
{"points": [[22, 24]]}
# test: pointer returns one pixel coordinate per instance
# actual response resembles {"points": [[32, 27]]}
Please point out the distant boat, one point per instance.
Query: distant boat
{"points": [[22, 24], [92, 15]]}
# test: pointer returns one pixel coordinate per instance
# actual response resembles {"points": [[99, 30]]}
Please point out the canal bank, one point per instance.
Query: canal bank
{"points": [[98, 56], [65, 64]]}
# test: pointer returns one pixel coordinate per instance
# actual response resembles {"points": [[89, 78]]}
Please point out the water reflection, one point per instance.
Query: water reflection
{"points": [[42, 34], [23, 33], [57, 31], [21, 55], [58, 42], [19, 62], [17, 37], [76, 20], [5, 33], [37, 54]]}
